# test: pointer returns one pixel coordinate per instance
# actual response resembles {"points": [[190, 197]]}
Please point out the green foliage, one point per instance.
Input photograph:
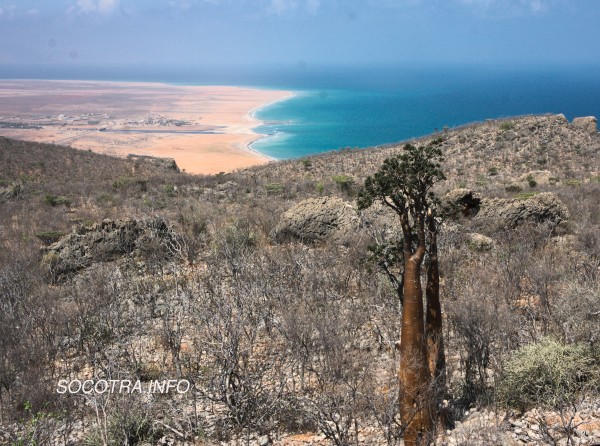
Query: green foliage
{"points": [[56, 200], [547, 373], [492, 171], [49, 237], [32, 427], [221, 177], [403, 178], [572, 182], [345, 182], [125, 182], [240, 237], [307, 164], [149, 372], [119, 182], [531, 181], [131, 428], [27, 178], [170, 189], [507, 125], [513, 188], [274, 188], [526, 195], [320, 187], [105, 198]]}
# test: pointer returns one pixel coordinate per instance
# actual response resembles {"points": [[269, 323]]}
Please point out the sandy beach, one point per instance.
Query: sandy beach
{"points": [[206, 129]]}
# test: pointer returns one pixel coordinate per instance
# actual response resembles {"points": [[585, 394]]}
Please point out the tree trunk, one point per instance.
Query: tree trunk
{"points": [[413, 374], [436, 357]]}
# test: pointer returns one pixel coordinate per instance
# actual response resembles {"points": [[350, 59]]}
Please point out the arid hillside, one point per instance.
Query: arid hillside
{"points": [[258, 289]]}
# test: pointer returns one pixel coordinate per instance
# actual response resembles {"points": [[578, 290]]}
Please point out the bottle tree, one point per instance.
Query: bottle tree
{"points": [[404, 184]]}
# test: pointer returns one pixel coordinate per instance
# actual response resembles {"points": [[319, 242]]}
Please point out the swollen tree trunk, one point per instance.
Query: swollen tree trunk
{"points": [[436, 358], [413, 375], [433, 323]]}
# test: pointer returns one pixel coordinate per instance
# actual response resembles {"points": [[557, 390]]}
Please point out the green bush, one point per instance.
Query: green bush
{"points": [[547, 373], [56, 200], [49, 237], [513, 188], [170, 189], [320, 187], [129, 427], [492, 171], [345, 182], [531, 181], [507, 125], [274, 188]]}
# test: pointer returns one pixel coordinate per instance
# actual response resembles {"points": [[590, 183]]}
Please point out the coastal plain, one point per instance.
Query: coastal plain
{"points": [[205, 129]]}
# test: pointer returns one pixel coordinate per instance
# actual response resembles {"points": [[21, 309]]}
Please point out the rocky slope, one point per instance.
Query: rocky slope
{"points": [[257, 285]]}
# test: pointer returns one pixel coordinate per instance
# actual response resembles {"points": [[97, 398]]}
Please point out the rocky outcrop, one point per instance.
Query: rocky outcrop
{"points": [[463, 202], [107, 241], [509, 213], [588, 124], [316, 220], [580, 422], [167, 164]]}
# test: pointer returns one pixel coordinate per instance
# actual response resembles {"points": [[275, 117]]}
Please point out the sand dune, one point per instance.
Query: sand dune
{"points": [[205, 129]]}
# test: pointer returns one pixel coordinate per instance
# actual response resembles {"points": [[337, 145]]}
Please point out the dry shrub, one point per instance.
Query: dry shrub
{"points": [[548, 374]]}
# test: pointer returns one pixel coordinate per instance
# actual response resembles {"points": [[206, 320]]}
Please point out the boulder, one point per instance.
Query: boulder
{"points": [[104, 242], [508, 213], [316, 220], [588, 124], [463, 202]]}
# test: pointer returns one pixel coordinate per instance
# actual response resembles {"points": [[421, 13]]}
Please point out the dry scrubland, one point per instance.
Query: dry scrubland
{"points": [[270, 307]]}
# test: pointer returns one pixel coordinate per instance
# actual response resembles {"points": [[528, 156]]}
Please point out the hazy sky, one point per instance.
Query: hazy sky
{"points": [[300, 32]]}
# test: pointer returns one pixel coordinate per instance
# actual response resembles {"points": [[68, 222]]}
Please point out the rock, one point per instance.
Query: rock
{"points": [[561, 119], [104, 242], [524, 133], [316, 220], [462, 202], [264, 440], [508, 213], [589, 124]]}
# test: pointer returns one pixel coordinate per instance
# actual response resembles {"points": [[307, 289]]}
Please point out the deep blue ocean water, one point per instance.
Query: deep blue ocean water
{"points": [[416, 104], [338, 107]]}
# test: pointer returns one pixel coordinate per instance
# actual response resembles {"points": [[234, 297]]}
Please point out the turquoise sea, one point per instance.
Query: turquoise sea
{"points": [[339, 107], [418, 103]]}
